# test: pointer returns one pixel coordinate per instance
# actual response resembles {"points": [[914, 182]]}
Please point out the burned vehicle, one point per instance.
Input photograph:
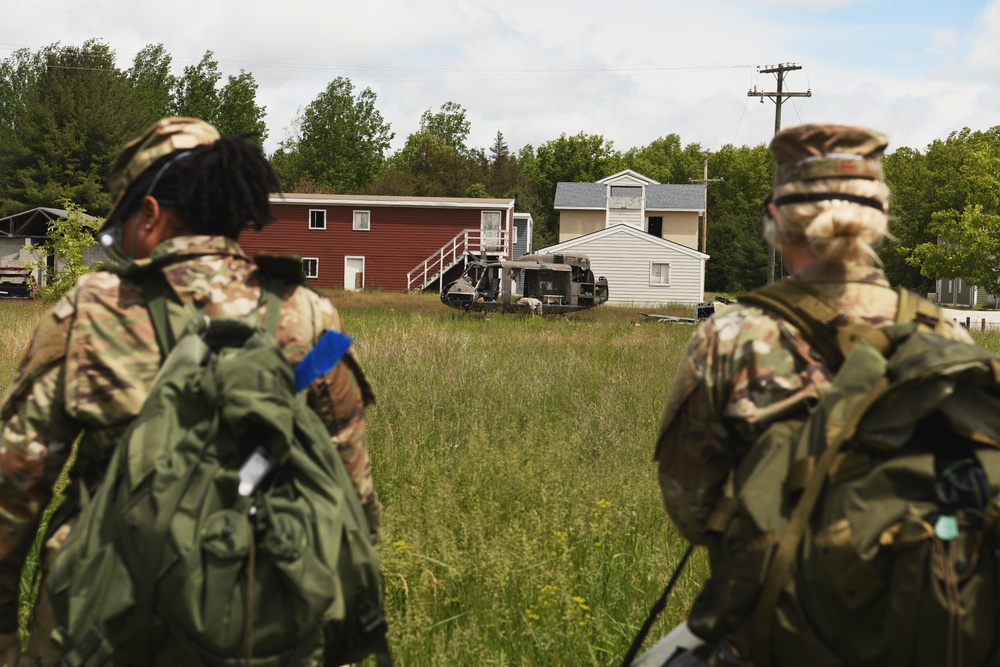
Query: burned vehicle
{"points": [[15, 283], [530, 284]]}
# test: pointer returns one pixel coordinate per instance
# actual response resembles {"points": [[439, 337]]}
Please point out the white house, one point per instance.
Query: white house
{"points": [[665, 210], [642, 269], [641, 235]]}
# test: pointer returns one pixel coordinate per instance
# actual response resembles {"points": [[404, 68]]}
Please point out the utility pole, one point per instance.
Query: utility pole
{"points": [[778, 97], [704, 216]]}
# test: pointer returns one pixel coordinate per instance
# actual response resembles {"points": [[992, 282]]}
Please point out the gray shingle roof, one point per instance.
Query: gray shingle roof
{"points": [[667, 196], [671, 195], [581, 195]]}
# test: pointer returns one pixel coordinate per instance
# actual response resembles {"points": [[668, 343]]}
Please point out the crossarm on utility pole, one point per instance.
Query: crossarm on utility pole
{"points": [[778, 97]]}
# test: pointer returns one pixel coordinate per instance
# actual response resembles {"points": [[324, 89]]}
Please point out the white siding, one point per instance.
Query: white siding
{"points": [[624, 259], [625, 216]]}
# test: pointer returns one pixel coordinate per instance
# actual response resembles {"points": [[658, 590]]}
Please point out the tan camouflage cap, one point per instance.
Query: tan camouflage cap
{"points": [[810, 152], [166, 136]]}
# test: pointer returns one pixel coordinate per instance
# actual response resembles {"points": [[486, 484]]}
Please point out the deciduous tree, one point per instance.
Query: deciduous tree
{"points": [[239, 112], [449, 126], [196, 94], [947, 191], [339, 142], [152, 82], [584, 158]]}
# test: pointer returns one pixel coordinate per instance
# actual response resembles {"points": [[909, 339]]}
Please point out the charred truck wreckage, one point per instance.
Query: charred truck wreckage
{"points": [[546, 284]]}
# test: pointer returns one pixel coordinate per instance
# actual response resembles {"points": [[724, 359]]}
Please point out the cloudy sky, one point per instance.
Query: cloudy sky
{"points": [[533, 69]]}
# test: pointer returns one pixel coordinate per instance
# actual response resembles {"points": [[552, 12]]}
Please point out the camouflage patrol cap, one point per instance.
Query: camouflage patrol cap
{"points": [[166, 136], [810, 152]]}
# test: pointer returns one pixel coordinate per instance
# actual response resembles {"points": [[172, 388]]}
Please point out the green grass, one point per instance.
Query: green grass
{"points": [[522, 520], [522, 523]]}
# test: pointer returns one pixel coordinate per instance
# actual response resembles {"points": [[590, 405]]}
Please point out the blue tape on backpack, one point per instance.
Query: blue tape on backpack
{"points": [[331, 348]]}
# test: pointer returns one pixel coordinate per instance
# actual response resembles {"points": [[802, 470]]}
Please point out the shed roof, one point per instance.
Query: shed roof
{"points": [[33, 222]]}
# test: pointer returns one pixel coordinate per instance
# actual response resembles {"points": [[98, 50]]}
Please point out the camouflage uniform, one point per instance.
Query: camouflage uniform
{"points": [[747, 369], [744, 370], [91, 364]]}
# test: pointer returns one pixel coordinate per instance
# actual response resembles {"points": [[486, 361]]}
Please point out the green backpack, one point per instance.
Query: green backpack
{"points": [[868, 531], [227, 531]]}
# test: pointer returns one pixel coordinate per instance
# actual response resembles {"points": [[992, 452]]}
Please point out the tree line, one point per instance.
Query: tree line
{"points": [[66, 110]]}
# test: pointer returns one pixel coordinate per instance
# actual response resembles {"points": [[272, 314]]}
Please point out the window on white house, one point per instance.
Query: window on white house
{"points": [[310, 266], [317, 218], [514, 240], [659, 273], [362, 221]]}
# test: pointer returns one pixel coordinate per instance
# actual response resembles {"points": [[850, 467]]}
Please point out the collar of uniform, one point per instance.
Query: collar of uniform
{"points": [[197, 245], [820, 273]]}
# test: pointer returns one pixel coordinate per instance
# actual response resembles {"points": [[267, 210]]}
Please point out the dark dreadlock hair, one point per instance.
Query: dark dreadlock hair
{"points": [[219, 189]]}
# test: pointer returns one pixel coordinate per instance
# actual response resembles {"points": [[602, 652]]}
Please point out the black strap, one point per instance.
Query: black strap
{"points": [[809, 197], [381, 649], [657, 607]]}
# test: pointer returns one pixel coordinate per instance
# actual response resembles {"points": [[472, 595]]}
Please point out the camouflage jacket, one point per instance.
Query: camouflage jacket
{"points": [[744, 370], [92, 361]]}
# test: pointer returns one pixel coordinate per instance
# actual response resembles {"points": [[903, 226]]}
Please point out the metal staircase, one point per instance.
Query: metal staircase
{"points": [[457, 251]]}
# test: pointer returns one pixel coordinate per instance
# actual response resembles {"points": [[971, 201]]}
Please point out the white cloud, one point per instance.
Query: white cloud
{"points": [[532, 70], [944, 40], [984, 55], [810, 5]]}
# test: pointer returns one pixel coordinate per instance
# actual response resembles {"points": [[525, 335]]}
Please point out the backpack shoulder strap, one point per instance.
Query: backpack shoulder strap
{"points": [[272, 295], [914, 308], [819, 320], [158, 292]]}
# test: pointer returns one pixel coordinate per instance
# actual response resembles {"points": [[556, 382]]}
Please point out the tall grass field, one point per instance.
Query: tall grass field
{"points": [[522, 522]]}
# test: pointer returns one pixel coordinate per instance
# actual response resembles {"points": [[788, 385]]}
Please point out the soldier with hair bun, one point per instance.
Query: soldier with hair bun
{"points": [[182, 196], [747, 368]]}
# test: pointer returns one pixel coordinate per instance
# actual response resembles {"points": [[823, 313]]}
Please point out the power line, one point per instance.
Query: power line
{"points": [[588, 71]]}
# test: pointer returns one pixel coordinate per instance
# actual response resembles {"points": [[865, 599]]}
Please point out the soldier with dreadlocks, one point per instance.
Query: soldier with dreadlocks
{"points": [[183, 195]]}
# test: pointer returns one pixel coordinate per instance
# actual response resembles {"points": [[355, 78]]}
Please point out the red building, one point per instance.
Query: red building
{"points": [[394, 243]]}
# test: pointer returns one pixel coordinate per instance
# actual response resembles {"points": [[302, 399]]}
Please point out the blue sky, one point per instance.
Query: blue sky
{"points": [[532, 69]]}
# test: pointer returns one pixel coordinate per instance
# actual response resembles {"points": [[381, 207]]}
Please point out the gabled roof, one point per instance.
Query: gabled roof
{"points": [[623, 229], [387, 200], [628, 175], [33, 222], [659, 196]]}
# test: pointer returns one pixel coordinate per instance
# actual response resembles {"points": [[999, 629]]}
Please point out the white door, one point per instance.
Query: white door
{"points": [[354, 273], [490, 224]]}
